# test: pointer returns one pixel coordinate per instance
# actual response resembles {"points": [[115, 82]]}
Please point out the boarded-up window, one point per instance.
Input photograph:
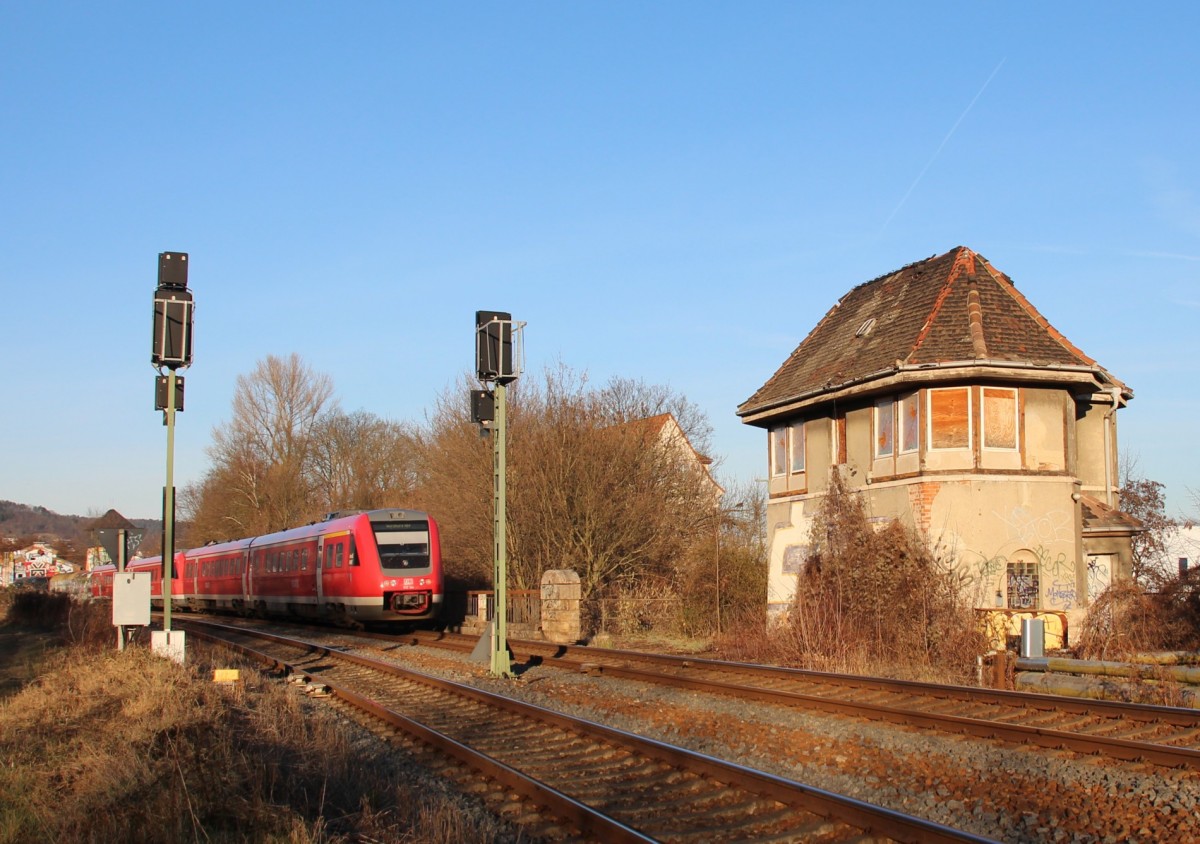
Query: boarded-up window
{"points": [[778, 451], [797, 447], [910, 427], [999, 417], [1022, 585], [839, 439], [950, 418], [885, 428]]}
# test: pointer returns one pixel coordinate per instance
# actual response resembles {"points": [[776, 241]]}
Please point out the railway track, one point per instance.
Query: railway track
{"points": [[1159, 735], [583, 779]]}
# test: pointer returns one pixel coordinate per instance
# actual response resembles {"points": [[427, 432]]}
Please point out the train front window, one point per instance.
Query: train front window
{"points": [[402, 545]]}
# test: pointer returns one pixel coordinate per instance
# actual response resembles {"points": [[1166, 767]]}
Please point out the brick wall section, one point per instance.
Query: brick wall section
{"points": [[921, 496]]}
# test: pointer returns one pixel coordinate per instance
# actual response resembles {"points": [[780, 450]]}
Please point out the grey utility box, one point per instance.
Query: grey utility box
{"points": [[1033, 638], [131, 598]]}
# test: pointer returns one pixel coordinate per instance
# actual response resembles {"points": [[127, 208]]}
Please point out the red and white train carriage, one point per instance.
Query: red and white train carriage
{"points": [[357, 566]]}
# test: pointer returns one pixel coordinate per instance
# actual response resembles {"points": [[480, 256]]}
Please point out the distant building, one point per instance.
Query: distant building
{"points": [[666, 429], [1183, 550], [38, 560], [106, 530], [950, 403]]}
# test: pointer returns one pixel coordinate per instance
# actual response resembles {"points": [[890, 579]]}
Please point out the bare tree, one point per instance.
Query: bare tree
{"points": [[258, 481], [628, 399], [454, 484], [588, 488], [360, 461], [599, 493], [1145, 500]]}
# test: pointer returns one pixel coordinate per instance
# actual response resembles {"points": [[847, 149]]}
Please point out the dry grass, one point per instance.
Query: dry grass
{"points": [[106, 746], [758, 641]]}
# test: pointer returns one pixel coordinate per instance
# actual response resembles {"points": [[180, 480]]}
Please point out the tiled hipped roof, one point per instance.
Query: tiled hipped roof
{"points": [[946, 309]]}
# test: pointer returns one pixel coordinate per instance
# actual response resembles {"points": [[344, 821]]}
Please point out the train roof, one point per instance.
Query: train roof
{"points": [[218, 548], [379, 515]]}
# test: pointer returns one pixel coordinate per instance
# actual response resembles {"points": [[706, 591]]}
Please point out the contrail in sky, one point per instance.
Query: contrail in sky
{"points": [[938, 152]]}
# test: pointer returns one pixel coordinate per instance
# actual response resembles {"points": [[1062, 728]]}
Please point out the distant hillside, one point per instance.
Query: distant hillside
{"points": [[23, 523]]}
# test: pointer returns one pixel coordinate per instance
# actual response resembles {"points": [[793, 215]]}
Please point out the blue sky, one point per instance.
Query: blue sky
{"points": [[675, 192]]}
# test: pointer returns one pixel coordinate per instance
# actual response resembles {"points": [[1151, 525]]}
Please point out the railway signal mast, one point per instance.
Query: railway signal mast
{"points": [[172, 350], [498, 361]]}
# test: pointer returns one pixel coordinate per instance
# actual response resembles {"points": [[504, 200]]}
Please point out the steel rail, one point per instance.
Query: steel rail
{"points": [[1175, 716], [1125, 749], [586, 819], [835, 807]]}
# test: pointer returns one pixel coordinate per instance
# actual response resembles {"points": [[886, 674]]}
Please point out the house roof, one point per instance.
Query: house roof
{"points": [[948, 311], [654, 425], [111, 519], [1098, 517]]}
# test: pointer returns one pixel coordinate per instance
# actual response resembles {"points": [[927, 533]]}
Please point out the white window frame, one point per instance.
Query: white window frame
{"points": [[777, 446], [885, 407], [1016, 401], [797, 441], [929, 419], [913, 400]]}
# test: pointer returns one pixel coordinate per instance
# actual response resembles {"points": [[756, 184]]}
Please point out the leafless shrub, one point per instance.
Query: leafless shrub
{"points": [[89, 624], [872, 599], [38, 610], [636, 611], [1179, 599], [1126, 620]]}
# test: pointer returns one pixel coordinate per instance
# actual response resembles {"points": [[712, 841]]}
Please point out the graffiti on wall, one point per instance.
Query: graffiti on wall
{"points": [[1036, 577], [1059, 570], [1062, 594], [1030, 528], [1099, 574]]}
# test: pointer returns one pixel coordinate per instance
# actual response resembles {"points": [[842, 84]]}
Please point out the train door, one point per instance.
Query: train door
{"points": [[191, 586], [182, 587], [335, 572], [319, 574], [253, 563], [243, 596]]}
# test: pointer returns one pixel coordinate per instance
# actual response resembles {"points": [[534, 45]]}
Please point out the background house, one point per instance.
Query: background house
{"points": [[664, 429], [37, 560], [951, 404]]}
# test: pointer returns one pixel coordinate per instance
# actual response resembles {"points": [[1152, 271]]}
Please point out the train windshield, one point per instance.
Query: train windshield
{"points": [[402, 545]]}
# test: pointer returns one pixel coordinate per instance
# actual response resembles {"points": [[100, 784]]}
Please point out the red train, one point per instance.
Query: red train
{"points": [[355, 566]]}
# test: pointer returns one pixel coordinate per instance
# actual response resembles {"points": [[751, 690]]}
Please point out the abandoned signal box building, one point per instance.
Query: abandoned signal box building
{"points": [[951, 404]]}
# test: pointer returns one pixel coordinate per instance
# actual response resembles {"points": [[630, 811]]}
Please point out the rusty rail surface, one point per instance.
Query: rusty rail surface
{"points": [[609, 784]]}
